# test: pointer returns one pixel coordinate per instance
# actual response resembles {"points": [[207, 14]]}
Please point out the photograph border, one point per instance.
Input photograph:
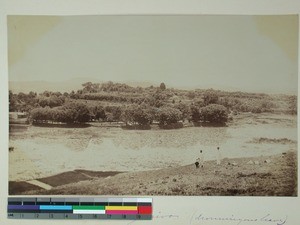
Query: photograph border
{"points": [[240, 206]]}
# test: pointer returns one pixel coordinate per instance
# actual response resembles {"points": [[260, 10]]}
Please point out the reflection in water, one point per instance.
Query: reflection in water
{"points": [[13, 128], [181, 138]]}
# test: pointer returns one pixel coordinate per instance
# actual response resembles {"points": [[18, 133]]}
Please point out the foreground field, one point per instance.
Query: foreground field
{"points": [[256, 176]]}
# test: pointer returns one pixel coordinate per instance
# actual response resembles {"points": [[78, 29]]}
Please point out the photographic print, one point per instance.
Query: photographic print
{"points": [[189, 105]]}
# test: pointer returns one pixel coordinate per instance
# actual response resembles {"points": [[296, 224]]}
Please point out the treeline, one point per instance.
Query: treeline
{"points": [[134, 114], [26, 102], [124, 98], [135, 105], [69, 113], [158, 110], [160, 96], [75, 112]]}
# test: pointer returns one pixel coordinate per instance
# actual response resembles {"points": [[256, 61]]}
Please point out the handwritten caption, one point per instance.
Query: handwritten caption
{"points": [[267, 218], [200, 218]]}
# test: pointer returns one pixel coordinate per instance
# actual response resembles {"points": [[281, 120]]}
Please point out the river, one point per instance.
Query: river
{"points": [[45, 151]]}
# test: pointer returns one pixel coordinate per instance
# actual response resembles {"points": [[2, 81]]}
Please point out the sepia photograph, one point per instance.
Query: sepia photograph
{"points": [[181, 105]]}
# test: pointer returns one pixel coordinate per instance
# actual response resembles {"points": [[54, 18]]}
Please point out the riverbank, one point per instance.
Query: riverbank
{"points": [[254, 176]]}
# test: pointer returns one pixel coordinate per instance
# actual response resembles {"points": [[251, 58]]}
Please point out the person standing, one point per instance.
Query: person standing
{"points": [[201, 161], [219, 156], [197, 162]]}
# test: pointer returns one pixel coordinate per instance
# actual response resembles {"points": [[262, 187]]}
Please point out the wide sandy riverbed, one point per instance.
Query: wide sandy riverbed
{"points": [[43, 151]]}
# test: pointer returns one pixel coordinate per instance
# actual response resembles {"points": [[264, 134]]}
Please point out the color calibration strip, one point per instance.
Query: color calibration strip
{"points": [[80, 208]]}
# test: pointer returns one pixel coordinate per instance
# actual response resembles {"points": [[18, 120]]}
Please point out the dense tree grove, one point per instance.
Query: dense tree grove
{"points": [[22, 101], [51, 101], [69, 113], [115, 102]]}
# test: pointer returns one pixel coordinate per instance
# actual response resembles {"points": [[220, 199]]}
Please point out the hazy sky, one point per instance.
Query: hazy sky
{"points": [[247, 53]]}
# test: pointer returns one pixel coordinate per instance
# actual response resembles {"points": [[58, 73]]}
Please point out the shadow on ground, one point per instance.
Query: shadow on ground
{"points": [[19, 187]]}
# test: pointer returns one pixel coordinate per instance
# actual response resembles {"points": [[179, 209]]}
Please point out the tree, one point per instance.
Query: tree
{"points": [[82, 114], [12, 102], [46, 93], [184, 109], [195, 113], [137, 114], [32, 94], [51, 101], [43, 101], [191, 94], [41, 114], [210, 97], [157, 99], [100, 113], [168, 115], [75, 113], [214, 113], [87, 87], [58, 115], [54, 101], [113, 113], [36, 114], [162, 86]]}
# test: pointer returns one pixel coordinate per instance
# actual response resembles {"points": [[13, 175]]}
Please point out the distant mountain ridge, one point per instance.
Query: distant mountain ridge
{"points": [[66, 86], [41, 86]]}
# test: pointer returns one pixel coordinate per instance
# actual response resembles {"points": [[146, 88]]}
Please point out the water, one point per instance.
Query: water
{"points": [[44, 151]]}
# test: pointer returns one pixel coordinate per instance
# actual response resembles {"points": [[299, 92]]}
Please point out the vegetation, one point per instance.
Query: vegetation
{"points": [[115, 102], [168, 115], [292, 104], [214, 113], [69, 113], [210, 97], [137, 114], [113, 113]]}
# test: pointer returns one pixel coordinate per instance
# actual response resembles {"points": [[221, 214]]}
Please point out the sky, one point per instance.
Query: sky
{"points": [[246, 53]]}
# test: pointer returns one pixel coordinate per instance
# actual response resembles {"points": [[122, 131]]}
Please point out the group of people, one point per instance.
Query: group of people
{"points": [[200, 161]]}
